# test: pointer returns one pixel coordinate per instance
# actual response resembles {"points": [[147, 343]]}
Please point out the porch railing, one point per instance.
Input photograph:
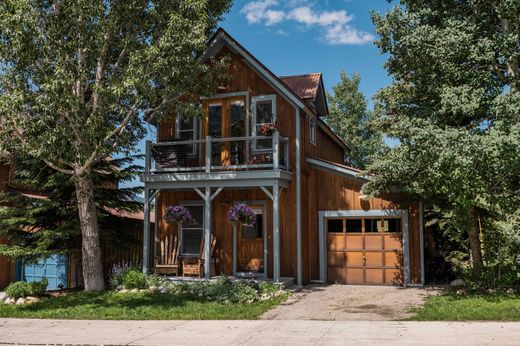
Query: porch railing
{"points": [[218, 154]]}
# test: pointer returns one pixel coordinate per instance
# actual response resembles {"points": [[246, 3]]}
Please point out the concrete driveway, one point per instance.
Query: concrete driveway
{"points": [[40, 332], [351, 303]]}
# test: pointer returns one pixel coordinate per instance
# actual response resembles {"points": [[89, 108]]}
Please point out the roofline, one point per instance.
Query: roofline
{"points": [[336, 168], [324, 95], [328, 130]]}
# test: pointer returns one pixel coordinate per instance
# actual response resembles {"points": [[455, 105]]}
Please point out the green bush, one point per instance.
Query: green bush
{"points": [[134, 279], [18, 289], [38, 288]]}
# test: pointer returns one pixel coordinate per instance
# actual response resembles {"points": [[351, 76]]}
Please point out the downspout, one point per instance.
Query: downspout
{"points": [[298, 201]]}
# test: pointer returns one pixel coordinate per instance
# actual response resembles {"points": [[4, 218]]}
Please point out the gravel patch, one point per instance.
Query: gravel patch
{"points": [[351, 303]]}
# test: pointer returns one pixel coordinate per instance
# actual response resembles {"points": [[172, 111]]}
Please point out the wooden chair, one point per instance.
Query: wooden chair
{"points": [[194, 266], [168, 262]]}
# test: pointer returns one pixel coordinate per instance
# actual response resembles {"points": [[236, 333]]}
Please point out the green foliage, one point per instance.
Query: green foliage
{"points": [[135, 278], [18, 289], [37, 288], [351, 120], [454, 107], [53, 220]]}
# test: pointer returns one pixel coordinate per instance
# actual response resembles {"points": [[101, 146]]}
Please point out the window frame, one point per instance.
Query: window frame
{"points": [[313, 125], [194, 130], [254, 100], [181, 228]]}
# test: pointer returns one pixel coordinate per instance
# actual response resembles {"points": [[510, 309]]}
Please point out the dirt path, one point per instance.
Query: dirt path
{"points": [[350, 303]]}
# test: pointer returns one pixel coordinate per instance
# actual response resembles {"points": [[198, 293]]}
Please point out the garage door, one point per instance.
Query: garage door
{"points": [[364, 251], [54, 268]]}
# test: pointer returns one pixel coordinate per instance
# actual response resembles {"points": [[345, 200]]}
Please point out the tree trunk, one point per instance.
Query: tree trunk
{"points": [[91, 247], [474, 240]]}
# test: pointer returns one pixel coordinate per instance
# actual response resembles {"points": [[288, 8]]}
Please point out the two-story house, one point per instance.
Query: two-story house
{"points": [[313, 222]]}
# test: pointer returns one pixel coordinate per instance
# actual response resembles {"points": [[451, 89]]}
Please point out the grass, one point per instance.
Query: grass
{"points": [[457, 307], [135, 306]]}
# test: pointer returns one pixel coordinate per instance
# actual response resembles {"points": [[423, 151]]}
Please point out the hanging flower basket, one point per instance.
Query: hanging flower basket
{"points": [[241, 213], [178, 214], [268, 129]]}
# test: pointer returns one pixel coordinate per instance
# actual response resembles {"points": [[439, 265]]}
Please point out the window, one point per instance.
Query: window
{"points": [[256, 231], [353, 225], [264, 112], [373, 225], [313, 123], [335, 226], [191, 235], [186, 130], [392, 225]]}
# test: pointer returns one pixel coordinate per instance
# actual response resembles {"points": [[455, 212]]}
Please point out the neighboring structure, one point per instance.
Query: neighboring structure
{"points": [[313, 223]]}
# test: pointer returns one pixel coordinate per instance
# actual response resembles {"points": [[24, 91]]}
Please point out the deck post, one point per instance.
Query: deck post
{"points": [[208, 154], [146, 235], [234, 249], [148, 157], [276, 150], [276, 232], [207, 233]]}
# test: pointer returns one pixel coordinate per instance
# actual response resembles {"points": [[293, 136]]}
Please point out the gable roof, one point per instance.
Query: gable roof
{"points": [[304, 85], [221, 37]]}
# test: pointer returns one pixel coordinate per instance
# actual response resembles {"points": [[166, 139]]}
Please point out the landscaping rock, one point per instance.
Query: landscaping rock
{"points": [[2, 296], [457, 283], [31, 300], [135, 290], [9, 301], [20, 301], [164, 290], [124, 290]]}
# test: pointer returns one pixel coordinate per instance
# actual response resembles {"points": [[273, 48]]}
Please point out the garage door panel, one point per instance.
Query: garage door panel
{"points": [[393, 277], [337, 275], [354, 259], [374, 276], [373, 242], [374, 259], [336, 242], [393, 241], [392, 259], [354, 242], [354, 276], [336, 258]]}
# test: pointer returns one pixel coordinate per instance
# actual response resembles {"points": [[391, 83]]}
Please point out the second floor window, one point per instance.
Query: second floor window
{"points": [[313, 124], [264, 112], [186, 130]]}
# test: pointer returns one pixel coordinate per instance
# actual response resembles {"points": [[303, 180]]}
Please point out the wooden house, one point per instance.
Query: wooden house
{"points": [[313, 223]]}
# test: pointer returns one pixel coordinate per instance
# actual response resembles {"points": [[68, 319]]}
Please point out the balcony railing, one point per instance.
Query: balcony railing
{"points": [[218, 154]]}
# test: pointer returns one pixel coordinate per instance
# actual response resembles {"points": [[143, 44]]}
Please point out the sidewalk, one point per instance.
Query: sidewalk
{"points": [[20, 331]]}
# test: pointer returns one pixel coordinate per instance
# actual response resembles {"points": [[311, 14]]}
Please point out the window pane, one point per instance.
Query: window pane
{"points": [[354, 225], [264, 111], [197, 214], [186, 123], [373, 225], [215, 120], [392, 225], [335, 226], [191, 241], [256, 231], [186, 135], [237, 119]]}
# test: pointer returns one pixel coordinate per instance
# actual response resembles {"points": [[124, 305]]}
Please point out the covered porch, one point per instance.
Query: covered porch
{"points": [[228, 250]]}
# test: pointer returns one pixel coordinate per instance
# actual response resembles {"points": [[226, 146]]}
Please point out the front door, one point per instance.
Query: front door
{"points": [[251, 244], [226, 118]]}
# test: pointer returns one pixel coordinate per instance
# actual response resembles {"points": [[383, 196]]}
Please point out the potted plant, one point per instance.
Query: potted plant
{"points": [[268, 129], [241, 213], [178, 214]]}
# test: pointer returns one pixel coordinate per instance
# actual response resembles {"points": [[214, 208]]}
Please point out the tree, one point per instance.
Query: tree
{"points": [[77, 77], [40, 219], [454, 105], [350, 119]]}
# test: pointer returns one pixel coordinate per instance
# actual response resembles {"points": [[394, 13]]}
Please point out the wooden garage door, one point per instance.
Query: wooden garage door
{"points": [[364, 251]]}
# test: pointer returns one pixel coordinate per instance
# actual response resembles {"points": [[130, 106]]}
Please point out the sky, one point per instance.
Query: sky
{"points": [[306, 36]]}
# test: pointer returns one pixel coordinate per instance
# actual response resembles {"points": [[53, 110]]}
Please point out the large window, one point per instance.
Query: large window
{"points": [[186, 130], [264, 112], [192, 234]]}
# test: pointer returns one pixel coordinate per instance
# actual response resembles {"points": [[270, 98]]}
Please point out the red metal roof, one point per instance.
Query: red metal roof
{"points": [[305, 85]]}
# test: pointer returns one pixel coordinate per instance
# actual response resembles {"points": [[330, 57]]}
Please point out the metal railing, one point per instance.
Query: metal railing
{"points": [[218, 154]]}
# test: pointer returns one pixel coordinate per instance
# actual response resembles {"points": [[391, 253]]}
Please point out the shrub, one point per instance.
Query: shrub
{"points": [[117, 273], [18, 289], [38, 288], [134, 279]]}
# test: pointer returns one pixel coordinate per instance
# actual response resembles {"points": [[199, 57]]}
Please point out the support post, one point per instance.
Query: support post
{"points": [[146, 236], [421, 240], [276, 150], [207, 233], [298, 202], [208, 154], [148, 158], [156, 228], [276, 232], [234, 249]]}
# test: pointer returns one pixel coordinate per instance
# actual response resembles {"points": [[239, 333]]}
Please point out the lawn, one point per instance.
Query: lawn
{"points": [[136, 306], [452, 307]]}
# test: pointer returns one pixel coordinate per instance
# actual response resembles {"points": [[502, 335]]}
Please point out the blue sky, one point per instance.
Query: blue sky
{"points": [[304, 36]]}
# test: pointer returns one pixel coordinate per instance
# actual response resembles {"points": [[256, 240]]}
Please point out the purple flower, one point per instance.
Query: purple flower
{"points": [[179, 214], [241, 213]]}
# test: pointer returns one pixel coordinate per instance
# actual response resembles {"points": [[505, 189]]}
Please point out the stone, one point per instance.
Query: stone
{"points": [[164, 290], [20, 301], [124, 290], [135, 290], [9, 301], [31, 300], [457, 283]]}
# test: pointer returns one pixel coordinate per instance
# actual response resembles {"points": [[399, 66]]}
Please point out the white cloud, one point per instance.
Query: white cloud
{"points": [[336, 25]]}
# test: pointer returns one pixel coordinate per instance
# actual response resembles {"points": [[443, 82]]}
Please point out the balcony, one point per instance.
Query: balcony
{"points": [[215, 155]]}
